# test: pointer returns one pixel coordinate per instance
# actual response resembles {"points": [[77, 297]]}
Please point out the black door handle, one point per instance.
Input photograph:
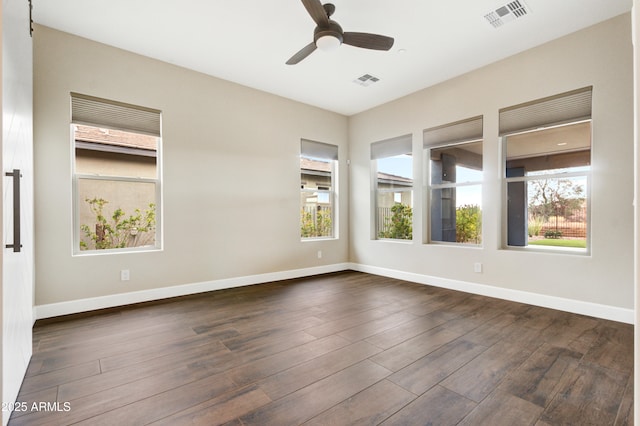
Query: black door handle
{"points": [[15, 174]]}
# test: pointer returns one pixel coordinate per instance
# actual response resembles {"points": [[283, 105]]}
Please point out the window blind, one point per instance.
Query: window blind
{"points": [[391, 147], [99, 112], [318, 150], [460, 131], [560, 109]]}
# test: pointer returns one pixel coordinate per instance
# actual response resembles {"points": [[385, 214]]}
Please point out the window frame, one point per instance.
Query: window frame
{"points": [[465, 131], [564, 109], [587, 175], [430, 187], [389, 148], [77, 178], [322, 151]]}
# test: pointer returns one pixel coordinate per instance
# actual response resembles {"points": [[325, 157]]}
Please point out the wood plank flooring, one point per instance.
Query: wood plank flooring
{"points": [[338, 349]]}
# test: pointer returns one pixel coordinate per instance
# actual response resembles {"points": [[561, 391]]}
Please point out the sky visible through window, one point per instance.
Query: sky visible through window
{"points": [[468, 195], [399, 165]]}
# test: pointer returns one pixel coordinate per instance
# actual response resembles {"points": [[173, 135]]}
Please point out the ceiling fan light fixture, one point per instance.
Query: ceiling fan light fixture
{"points": [[328, 43]]}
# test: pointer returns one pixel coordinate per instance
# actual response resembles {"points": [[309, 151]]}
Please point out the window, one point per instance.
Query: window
{"points": [[454, 158], [116, 176], [547, 147], [317, 193], [392, 171]]}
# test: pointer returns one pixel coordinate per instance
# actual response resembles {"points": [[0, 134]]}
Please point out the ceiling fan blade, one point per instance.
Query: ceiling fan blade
{"points": [[368, 41], [302, 53], [317, 12]]}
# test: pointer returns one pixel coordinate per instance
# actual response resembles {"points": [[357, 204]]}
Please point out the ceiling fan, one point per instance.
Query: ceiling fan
{"points": [[328, 34]]}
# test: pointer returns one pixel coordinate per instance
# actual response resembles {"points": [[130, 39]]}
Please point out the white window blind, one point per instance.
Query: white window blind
{"points": [[99, 112], [460, 131], [555, 110], [318, 150], [391, 147]]}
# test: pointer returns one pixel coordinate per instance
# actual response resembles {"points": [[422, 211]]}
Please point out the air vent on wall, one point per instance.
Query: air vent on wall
{"points": [[366, 80], [507, 13]]}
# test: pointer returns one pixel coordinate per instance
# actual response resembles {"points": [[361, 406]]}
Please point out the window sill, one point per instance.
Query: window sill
{"points": [[394, 240], [454, 245], [550, 250], [107, 252]]}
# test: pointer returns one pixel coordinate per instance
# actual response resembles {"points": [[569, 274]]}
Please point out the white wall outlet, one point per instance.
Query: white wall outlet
{"points": [[477, 267], [319, 254], [124, 275]]}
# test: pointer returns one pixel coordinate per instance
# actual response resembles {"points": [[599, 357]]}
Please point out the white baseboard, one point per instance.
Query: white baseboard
{"points": [[121, 299], [568, 305]]}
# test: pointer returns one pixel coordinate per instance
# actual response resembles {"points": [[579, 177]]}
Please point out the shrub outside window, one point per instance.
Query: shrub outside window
{"points": [[116, 172]]}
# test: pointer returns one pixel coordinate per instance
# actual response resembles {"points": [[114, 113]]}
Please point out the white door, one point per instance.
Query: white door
{"points": [[17, 153]]}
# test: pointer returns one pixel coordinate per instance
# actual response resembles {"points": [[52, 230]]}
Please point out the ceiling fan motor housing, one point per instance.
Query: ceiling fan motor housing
{"points": [[333, 30]]}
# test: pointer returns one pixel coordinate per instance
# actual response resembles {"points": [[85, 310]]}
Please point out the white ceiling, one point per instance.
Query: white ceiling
{"points": [[249, 41]]}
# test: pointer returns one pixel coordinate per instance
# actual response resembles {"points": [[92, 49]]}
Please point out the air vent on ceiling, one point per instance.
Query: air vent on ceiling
{"points": [[507, 13], [366, 80]]}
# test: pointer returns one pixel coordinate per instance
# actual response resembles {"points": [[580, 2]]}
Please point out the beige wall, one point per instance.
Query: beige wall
{"points": [[231, 173], [600, 56]]}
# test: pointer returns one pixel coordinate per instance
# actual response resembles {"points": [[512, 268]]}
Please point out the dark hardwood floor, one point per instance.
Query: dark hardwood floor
{"points": [[339, 349]]}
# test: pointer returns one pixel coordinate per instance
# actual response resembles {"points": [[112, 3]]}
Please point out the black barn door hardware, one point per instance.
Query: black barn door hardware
{"points": [[15, 174]]}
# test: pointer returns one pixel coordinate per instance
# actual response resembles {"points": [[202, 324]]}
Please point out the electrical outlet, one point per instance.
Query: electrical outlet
{"points": [[319, 254], [477, 267], [124, 275]]}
